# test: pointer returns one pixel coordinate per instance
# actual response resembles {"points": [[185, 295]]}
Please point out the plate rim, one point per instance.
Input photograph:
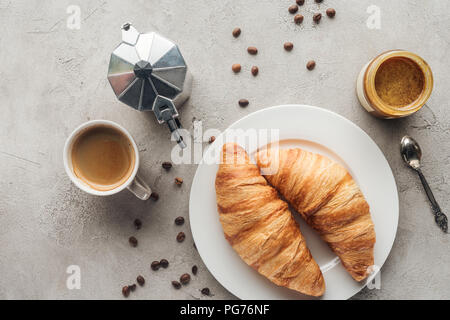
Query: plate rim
{"points": [[315, 109]]}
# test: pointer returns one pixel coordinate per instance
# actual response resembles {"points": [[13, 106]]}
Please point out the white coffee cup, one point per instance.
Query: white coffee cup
{"points": [[134, 183]]}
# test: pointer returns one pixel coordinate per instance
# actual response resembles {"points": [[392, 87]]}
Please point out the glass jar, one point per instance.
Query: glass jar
{"points": [[395, 84]]}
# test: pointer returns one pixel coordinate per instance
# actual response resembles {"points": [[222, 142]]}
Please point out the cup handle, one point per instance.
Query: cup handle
{"points": [[140, 189]]}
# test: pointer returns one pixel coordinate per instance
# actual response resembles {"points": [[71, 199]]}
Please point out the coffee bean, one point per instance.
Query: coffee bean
{"points": [[137, 224], [212, 139], [243, 102], [319, 1], [179, 221], [126, 291], [154, 196], [293, 8], [164, 263], [298, 19], [185, 278], [252, 50], [255, 71], [236, 32], [300, 2], [155, 265], [288, 46], [140, 280], [236, 68], [132, 287], [181, 237], [167, 165], [133, 242], [317, 17], [178, 181], [194, 270], [176, 284], [331, 12], [311, 65], [206, 292]]}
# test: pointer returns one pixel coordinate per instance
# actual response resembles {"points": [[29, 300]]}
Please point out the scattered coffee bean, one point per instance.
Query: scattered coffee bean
{"points": [[298, 19], [154, 196], [126, 291], [155, 265], [179, 221], [236, 32], [255, 71], [140, 280], [212, 139], [194, 270], [288, 46], [252, 50], [317, 17], [293, 8], [133, 242], [137, 224], [164, 263], [176, 284], [185, 279], [311, 65], [300, 2], [243, 102], [206, 292], [319, 1], [331, 12], [178, 181], [167, 165], [132, 287], [236, 68], [181, 237]]}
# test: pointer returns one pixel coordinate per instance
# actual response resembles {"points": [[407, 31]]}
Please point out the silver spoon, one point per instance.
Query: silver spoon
{"points": [[412, 153]]}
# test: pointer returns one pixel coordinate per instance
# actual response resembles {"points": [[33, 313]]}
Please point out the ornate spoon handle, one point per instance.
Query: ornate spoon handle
{"points": [[439, 217]]}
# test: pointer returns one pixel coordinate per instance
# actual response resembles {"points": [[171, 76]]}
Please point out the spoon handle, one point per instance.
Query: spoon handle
{"points": [[439, 217]]}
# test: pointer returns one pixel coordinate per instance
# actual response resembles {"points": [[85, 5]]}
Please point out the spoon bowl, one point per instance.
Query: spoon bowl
{"points": [[411, 152]]}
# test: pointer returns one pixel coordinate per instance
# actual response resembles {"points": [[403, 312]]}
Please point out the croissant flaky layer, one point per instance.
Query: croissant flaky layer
{"points": [[330, 201], [260, 227]]}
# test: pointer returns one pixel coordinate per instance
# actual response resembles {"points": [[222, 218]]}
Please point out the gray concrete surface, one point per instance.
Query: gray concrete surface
{"points": [[52, 79]]}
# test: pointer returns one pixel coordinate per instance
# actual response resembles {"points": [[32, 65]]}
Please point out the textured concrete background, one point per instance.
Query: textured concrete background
{"points": [[52, 79]]}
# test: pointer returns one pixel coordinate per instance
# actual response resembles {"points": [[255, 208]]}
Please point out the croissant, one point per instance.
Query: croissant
{"points": [[330, 201], [260, 227]]}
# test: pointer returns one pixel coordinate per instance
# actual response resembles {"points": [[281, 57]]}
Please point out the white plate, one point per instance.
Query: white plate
{"points": [[317, 130]]}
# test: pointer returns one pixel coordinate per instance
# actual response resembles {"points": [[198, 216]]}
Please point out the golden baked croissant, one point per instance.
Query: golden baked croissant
{"points": [[330, 201], [260, 227]]}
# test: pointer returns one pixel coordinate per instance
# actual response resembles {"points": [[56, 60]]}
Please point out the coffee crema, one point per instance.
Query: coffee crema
{"points": [[103, 157]]}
